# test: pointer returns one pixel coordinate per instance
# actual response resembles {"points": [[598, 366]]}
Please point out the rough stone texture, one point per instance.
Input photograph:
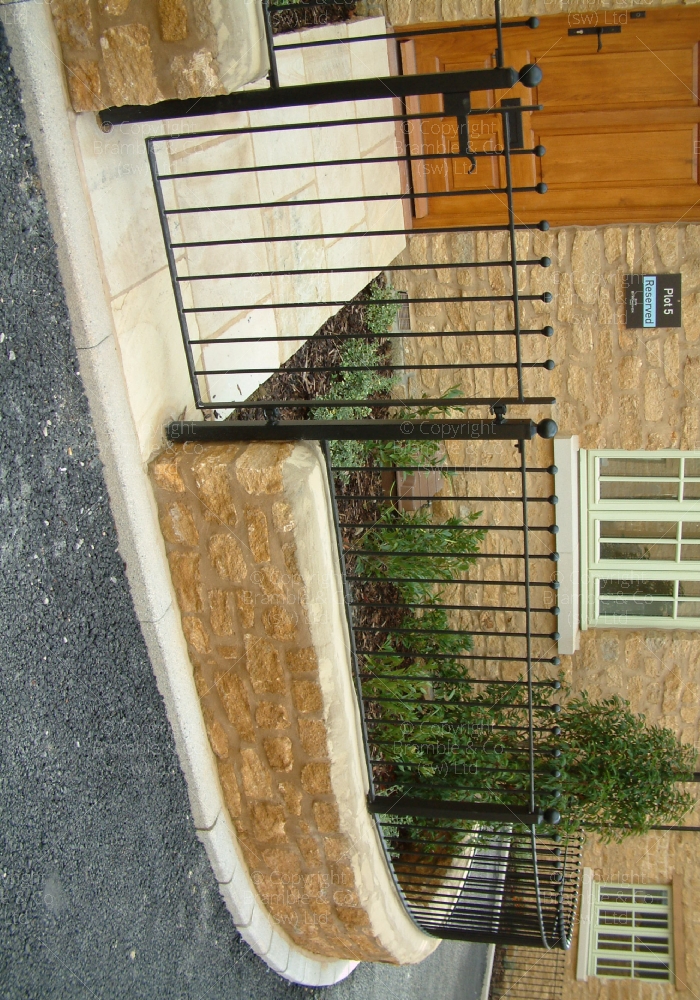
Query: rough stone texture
{"points": [[141, 51], [256, 674], [173, 20], [84, 85], [128, 64], [615, 388]]}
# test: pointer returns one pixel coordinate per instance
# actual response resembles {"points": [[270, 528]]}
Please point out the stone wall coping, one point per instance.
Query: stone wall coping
{"points": [[36, 60]]}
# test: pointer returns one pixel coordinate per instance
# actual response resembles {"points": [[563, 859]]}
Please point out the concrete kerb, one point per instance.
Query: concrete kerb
{"points": [[36, 61]]}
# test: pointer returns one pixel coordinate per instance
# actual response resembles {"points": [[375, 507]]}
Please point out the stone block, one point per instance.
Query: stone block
{"points": [[307, 696], [586, 265], [211, 475], [268, 822], [310, 851], [283, 861], [184, 569], [220, 615], [173, 20], [302, 660], [691, 316], [227, 558], [271, 580], [84, 85], [279, 623], [257, 534], [671, 358], [234, 698], [292, 799], [312, 733], [278, 750], [353, 917], [229, 786], [326, 816], [259, 468], [316, 778], [282, 517], [113, 8], [196, 634], [166, 472], [271, 715], [289, 554], [628, 371], [654, 396], [128, 63], [245, 602], [613, 244], [177, 524], [255, 776], [216, 733], [73, 21], [667, 245], [263, 665], [196, 75]]}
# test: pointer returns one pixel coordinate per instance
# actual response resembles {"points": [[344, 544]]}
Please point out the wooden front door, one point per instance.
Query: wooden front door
{"points": [[620, 125]]}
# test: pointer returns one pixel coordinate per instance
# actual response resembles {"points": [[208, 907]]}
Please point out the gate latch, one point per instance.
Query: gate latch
{"points": [[459, 106], [608, 29]]}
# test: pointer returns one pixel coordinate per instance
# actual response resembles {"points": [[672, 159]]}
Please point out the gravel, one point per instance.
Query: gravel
{"points": [[105, 890]]}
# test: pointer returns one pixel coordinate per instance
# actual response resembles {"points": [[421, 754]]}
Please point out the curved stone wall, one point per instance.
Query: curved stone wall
{"points": [[249, 540]]}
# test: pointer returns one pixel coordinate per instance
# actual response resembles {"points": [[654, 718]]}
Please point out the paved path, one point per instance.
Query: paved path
{"points": [[105, 890]]}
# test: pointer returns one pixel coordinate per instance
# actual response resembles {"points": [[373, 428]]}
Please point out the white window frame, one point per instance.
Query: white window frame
{"points": [[638, 908], [594, 569]]}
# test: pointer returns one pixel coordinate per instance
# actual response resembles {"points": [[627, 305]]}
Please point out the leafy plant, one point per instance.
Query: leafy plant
{"points": [[380, 314], [620, 775]]}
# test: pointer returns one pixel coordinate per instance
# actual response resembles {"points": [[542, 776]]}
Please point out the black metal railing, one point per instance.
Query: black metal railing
{"points": [[527, 974], [283, 234]]}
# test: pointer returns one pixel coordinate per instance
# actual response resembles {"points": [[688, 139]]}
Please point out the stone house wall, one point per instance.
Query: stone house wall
{"points": [[615, 388]]}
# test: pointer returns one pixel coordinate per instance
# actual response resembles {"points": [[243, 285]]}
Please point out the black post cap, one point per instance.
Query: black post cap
{"points": [[547, 428], [530, 75]]}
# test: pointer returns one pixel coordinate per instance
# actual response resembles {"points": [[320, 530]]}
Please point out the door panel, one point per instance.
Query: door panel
{"points": [[600, 158], [620, 125]]}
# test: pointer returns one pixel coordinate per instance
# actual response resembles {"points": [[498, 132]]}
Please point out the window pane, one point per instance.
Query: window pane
{"points": [[615, 894], [639, 551], [638, 491], [692, 466], [638, 608], [651, 970], [640, 529], [689, 588], [638, 588], [691, 529], [691, 491], [690, 552], [610, 967], [638, 468], [689, 609], [651, 896]]}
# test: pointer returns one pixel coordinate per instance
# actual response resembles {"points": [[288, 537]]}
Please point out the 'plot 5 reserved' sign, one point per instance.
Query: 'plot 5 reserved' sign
{"points": [[652, 300]]}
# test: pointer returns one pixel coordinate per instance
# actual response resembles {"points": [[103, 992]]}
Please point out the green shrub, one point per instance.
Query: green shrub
{"points": [[380, 314]]}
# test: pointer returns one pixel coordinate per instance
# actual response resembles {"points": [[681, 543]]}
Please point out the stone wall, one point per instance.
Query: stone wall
{"points": [[254, 570], [615, 388], [141, 51]]}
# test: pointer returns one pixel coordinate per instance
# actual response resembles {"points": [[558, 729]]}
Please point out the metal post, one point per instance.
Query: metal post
{"points": [[321, 93], [359, 430], [401, 805]]}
